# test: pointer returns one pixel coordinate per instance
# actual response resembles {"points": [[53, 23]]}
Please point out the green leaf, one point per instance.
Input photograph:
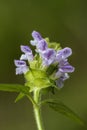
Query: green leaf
{"points": [[58, 106], [14, 88], [24, 90], [19, 97]]}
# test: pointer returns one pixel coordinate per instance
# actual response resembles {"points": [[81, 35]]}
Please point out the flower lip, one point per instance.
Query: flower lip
{"points": [[33, 42], [21, 67], [22, 70], [63, 54], [48, 56], [63, 62], [36, 36], [27, 56], [19, 63], [42, 45], [59, 83], [63, 77], [49, 53], [67, 69], [25, 49], [67, 52], [28, 53]]}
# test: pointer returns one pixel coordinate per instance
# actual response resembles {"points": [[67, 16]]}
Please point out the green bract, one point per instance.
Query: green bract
{"points": [[56, 46], [37, 79]]}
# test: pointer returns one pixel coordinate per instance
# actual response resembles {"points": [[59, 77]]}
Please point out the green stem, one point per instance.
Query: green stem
{"points": [[37, 111]]}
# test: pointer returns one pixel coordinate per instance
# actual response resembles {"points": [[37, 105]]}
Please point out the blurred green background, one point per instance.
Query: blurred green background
{"points": [[64, 21]]}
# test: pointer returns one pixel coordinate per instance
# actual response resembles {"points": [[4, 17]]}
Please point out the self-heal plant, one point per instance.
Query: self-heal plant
{"points": [[44, 58], [45, 68]]}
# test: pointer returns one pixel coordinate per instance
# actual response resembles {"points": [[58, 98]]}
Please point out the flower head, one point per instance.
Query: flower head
{"points": [[49, 66]]}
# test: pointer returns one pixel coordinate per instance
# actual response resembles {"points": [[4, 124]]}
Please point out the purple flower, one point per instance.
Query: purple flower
{"points": [[48, 56], [33, 42], [42, 46], [28, 53], [62, 73], [58, 74], [63, 77], [59, 83], [65, 67], [37, 37], [26, 49], [21, 67], [66, 52], [63, 54]]}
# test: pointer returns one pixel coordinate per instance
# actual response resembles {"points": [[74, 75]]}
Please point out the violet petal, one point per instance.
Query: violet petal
{"points": [[27, 56], [67, 69], [21, 70], [63, 54], [19, 63], [25, 49], [66, 52], [36, 36], [59, 83], [42, 45], [33, 42], [49, 54]]}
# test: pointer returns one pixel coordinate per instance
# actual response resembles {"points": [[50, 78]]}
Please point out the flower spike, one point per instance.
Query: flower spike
{"points": [[47, 66]]}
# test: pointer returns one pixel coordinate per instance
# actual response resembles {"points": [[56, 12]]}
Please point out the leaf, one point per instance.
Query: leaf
{"points": [[14, 88], [24, 90], [64, 110], [19, 97]]}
